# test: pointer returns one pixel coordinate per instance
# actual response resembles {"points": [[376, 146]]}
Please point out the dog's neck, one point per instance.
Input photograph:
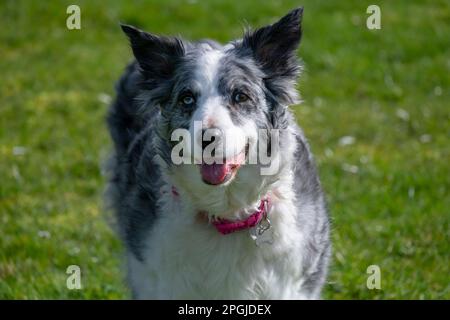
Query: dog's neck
{"points": [[243, 214], [225, 226]]}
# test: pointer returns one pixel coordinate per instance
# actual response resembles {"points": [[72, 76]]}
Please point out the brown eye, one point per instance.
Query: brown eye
{"points": [[187, 99], [240, 97]]}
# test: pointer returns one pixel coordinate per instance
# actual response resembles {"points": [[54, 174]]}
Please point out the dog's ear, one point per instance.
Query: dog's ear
{"points": [[274, 46], [156, 55], [274, 49]]}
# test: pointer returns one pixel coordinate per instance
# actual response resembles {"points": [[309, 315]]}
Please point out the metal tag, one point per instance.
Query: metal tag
{"points": [[262, 233]]}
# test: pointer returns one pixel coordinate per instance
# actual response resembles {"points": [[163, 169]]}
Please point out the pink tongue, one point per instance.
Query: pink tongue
{"points": [[214, 173]]}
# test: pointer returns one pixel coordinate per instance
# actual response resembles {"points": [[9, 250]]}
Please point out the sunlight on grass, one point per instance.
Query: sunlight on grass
{"points": [[375, 110]]}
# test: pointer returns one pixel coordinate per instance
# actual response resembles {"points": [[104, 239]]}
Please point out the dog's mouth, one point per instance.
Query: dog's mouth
{"points": [[220, 173]]}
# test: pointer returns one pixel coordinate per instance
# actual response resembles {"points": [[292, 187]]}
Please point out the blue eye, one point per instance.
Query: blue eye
{"points": [[187, 99]]}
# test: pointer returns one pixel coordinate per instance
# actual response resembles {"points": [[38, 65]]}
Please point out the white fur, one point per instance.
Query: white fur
{"points": [[189, 259], [212, 112]]}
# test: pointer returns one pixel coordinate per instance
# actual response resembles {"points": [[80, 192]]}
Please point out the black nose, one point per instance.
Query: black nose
{"points": [[209, 136]]}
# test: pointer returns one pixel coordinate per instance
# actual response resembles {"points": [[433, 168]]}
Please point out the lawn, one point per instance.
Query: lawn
{"points": [[376, 111]]}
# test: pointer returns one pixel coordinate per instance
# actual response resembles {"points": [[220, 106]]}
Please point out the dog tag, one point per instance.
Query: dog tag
{"points": [[262, 233]]}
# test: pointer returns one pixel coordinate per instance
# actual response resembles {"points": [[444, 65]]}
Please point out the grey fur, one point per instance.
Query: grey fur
{"points": [[146, 111]]}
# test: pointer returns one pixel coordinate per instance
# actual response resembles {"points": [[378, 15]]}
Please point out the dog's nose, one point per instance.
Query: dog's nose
{"points": [[210, 135]]}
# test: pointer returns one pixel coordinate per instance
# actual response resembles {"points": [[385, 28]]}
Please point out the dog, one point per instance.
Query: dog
{"points": [[217, 230]]}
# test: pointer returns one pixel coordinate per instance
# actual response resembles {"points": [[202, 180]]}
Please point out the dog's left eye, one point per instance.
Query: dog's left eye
{"points": [[240, 97], [187, 99]]}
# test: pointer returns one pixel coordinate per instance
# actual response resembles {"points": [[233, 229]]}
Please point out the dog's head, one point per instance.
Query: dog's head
{"points": [[219, 106]]}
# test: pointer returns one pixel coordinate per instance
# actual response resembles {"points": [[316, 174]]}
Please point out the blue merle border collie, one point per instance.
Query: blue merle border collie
{"points": [[219, 230]]}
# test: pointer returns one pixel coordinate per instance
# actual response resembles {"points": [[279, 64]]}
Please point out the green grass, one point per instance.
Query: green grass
{"points": [[388, 192]]}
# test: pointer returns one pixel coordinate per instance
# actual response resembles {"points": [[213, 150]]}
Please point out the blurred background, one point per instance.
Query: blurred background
{"points": [[376, 111]]}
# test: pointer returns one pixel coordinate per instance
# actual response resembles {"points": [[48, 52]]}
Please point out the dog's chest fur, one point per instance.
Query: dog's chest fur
{"points": [[189, 259]]}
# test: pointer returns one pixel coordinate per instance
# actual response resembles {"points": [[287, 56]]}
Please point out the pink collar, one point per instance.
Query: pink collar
{"points": [[225, 226]]}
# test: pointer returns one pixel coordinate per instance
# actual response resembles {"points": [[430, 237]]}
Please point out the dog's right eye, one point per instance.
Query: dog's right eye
{"points": [[187, 99]]}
